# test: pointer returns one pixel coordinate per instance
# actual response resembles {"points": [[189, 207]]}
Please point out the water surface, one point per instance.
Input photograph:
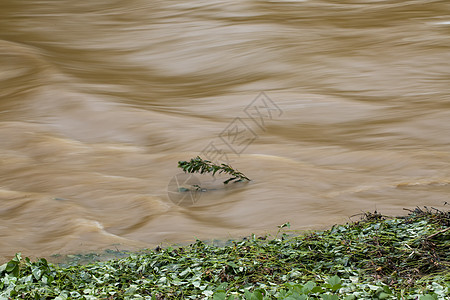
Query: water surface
{"points": [[100, 100]]}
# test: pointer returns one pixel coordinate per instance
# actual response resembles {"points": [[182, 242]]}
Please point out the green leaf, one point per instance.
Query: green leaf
{"points": [[131, 290], [256, 295], [222, 287], [18, 257], [296, 296], [317, 289], [288, 225], [334, 280], [208, 293], [334, 283], [37, 272], [308, 287], [383, 295], [330, 297], [427, 297], [12, 267], [220, 296]]}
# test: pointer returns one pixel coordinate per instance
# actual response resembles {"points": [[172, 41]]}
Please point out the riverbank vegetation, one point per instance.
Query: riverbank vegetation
{"points": [[374, 258]]}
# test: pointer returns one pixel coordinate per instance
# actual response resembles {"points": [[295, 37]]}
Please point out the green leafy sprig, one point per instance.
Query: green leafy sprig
{"points": [[198, 165]]}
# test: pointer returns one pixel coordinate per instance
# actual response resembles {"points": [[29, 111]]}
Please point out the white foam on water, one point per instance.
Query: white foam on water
{"points": [[442, 23]]}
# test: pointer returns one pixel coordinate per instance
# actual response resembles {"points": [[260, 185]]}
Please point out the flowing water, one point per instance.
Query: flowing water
{"points": [[100, 99]]}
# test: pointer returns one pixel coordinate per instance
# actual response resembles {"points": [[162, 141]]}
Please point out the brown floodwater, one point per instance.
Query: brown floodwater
{"points": [[100, 99]]}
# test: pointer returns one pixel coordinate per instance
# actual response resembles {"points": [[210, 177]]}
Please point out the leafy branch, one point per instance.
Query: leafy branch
{"points": [[198, 165]]}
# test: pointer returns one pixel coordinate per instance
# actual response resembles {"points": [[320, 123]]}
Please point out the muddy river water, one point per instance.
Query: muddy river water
{"points": [[332, 108]]}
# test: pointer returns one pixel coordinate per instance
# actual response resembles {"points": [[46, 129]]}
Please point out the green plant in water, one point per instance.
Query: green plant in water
{"points": [[198, 165]]}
